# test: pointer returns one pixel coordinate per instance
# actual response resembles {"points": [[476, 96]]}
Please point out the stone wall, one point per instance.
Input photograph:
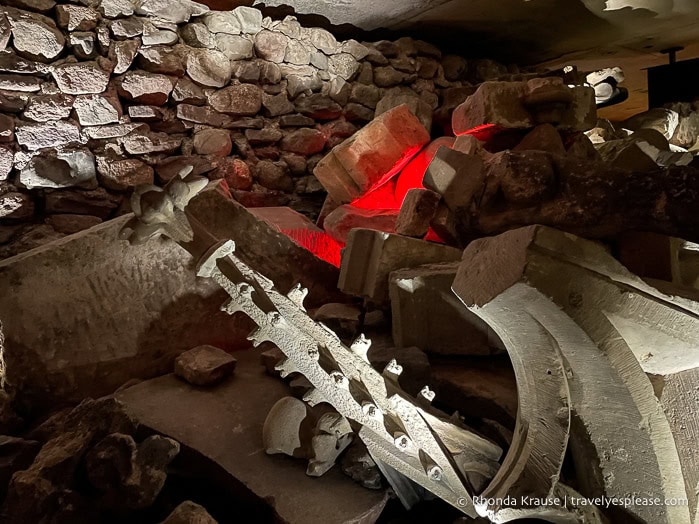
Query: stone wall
{"points": [[99, 96]]}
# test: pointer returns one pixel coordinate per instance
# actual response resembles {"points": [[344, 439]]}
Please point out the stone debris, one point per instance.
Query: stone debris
{"points": [[526, 104], [371, 255], [204, 365]]}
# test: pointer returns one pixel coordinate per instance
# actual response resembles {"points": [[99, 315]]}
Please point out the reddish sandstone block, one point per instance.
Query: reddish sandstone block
{"points": [[372, 156], [340, 222]]}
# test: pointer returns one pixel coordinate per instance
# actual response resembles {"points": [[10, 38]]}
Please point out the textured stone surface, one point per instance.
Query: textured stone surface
{"points": [[121, 175], [189, 513], [525, 104], [61, 168], [371, 156], [342, 220], [204, 365], [244, 402], [240, 100], [426, 314], [209, 68], [93, 362], [416, 212], [145, 88], [370, 256], [81, 78]]}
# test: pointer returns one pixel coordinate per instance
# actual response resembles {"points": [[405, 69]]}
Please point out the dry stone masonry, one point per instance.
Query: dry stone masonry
{"points": [[98, 97]]}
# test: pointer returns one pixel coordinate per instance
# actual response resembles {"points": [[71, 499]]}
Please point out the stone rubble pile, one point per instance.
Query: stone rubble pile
{"points": [[102, 96]]}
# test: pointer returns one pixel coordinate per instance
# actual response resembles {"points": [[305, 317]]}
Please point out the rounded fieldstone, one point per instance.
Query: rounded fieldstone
{"points": [[273, 175], [304, 141], [239, 100], [209, 68], [271, 46], [213, 142]]}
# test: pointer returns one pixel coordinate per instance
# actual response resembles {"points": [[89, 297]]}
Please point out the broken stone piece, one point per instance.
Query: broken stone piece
{"points": [[145, 88], [516, 105], [343, 319], [456, 176], [417, 211], [372, 156], [371, 255], [342, 220], [204, 365]]}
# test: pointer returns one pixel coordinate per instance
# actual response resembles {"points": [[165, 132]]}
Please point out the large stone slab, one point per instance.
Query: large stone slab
{"points": [[87, 313], [224, 425]]}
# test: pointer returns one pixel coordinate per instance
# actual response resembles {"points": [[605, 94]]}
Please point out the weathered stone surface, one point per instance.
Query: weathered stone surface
{"points": [[61, 168], [426, 314], [97, 110], [239, 100], [112, 131], [204, 365], [417, 211], [455, 176], [343, 65], [116, 8], [396, 97], [7, 128], [76, 18], [83, 45], [322, 39], [11, 63], [95, 360], [304, 141], [189, 513], [163, 59], [187, 92], [175, 11], [198, 35], [371, 156], [28, 84], [123, 54], [82, 78], [49, 134], [35, 36], [335, 499], [526, 104], [97, 202], [71, 224], [145, 88], [209, 67], [15, 205], [120, 175], [371, 255], [45, 108], [367, 95], [150, 142], [234, 47], [271, 46], [273, 175], [7, 156], [342, 220], [213, 142]]}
